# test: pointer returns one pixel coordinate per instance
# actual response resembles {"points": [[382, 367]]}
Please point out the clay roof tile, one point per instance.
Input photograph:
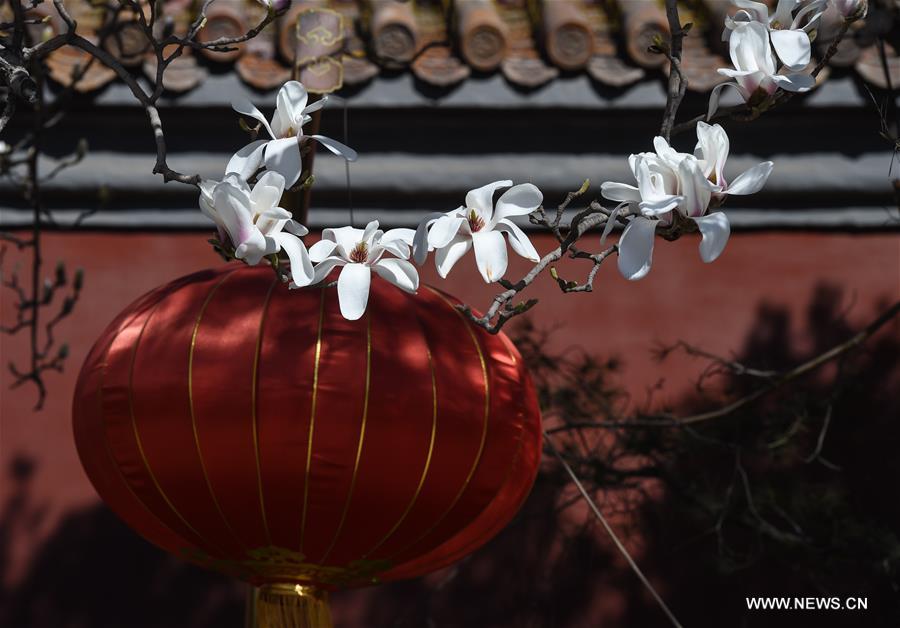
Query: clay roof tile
{"points": [[443, 41]]}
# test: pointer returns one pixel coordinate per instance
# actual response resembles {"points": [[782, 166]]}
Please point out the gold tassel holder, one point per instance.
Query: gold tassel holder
{"points": [[291, 606]]}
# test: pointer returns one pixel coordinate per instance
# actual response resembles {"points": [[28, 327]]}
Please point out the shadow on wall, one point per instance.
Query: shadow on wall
{"points": [[94, 572], [745, 510], [795, 496]]}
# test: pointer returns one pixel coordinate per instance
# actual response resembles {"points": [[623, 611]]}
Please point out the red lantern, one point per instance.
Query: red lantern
{"points": [[253, 430]]}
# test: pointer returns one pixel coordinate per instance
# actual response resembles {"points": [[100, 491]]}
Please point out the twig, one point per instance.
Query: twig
{"points": [[674, 422], [677, 82], [820, 441], [586, 220], [797, 372], [832, 49]]}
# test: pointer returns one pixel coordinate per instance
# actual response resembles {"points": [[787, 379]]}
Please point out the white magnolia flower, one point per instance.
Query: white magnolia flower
{"points": [[5, 148], [788, 32], [254, 223], [754, 70], [851, 9], [712, 152], [480, 225], [281, 153], [690, 184], [359, 252]]}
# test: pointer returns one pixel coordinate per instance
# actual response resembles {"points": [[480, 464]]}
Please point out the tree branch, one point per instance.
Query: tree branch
{"points": [[677, 82]]}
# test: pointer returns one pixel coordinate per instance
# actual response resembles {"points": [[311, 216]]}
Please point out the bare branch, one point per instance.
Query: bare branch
{"points": [[677, 82], [795, 373]]}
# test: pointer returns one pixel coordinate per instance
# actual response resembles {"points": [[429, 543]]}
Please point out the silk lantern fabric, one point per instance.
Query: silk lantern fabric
{"points": [[252, 429]]}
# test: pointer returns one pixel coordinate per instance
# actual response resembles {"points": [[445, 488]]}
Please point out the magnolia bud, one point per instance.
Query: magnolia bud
{"points": [[852, 10]]}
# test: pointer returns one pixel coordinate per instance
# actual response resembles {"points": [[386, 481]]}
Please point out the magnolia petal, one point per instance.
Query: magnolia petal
{"points": [[283, 157], [620, 192], [254, 248], [793, 48], [376, 251], [662, 205], [292, 226], [321, 249], [716, 93], [757, 84], [518, 200], [611, 222], [237, 181], [398, 241], [336, 147], [443, 230], [247, 160], [753, 10], [302, 272], [267, 192], [750, 48], [732, 22], [353, 290], [817, 6], [482, 199], [272, 220], [207, 209], [715, 230], [420, 240], [712, 147], [666, 152], [654, 185], [289, 105], [324, 268], [243, 106], [730, 73], [275, 213], [752, 180], [794, 82], [518, 240], [636, 248], [345, 237], [399, 272], [207, 186], [784, 11], [400, 234], [445, 258], [696, 188], [490, 254], [397, 248], [233, 209], [369, 232], [313, 107]]}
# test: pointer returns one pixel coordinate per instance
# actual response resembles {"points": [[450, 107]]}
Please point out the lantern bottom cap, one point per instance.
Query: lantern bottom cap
{"points": [[291, 606]]}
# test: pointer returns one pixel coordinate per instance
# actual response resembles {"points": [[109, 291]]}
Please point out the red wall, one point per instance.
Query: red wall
{"points": [[709, 305]]}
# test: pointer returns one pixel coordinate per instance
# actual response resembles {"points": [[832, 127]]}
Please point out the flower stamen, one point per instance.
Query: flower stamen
{"points": [[360, 253], [476, 222]]}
